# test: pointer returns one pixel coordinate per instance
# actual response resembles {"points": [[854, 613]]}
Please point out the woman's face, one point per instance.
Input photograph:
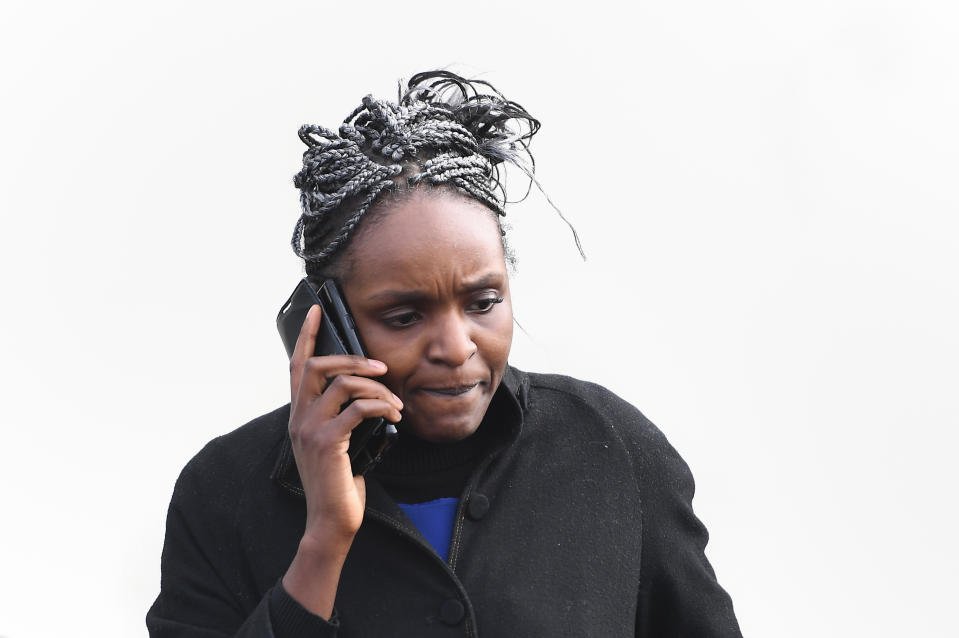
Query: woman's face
{"points": [[428, 289]]}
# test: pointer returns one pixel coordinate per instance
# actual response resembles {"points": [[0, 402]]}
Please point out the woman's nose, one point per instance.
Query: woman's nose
{"points": [[450, 342]]}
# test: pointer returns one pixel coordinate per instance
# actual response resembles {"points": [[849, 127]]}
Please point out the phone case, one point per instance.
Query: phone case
{"points": [[335, 335]]}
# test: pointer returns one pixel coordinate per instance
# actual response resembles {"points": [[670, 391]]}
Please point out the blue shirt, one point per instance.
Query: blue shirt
{"points": [[434, 519]]}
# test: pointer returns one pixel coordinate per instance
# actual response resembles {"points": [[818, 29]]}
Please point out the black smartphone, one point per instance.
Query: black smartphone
{"points": [[336, 335]]}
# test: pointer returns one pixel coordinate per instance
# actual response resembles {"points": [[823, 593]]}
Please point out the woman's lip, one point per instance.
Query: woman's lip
{"points": [[451, 391]]}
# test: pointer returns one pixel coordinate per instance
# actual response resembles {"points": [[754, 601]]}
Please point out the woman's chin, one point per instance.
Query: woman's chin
{"points": [[442, 417], [445, 430]]}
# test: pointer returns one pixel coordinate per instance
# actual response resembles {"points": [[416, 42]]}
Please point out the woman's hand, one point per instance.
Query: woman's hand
{"points": [[320, 433]]}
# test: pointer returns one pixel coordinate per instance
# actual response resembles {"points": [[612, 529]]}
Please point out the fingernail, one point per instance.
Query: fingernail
{"points": [[398, 400], [377, 364]]}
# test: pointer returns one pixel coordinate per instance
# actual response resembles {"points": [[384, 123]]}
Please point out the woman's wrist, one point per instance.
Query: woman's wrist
{"points": [[314, 574]]}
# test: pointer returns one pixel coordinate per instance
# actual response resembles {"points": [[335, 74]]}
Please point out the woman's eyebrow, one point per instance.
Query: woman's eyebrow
{"points": [[398, 296], [486, 280]]}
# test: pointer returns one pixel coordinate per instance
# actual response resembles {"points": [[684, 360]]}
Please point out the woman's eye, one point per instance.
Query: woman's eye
{"points": [[485, 305], [402, 320]]}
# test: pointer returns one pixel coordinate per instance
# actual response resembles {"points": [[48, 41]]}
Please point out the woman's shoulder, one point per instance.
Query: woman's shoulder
{"points": [[563, 388], [229, 460], [570, 399], [572, 386], [559, 393], [585, 411]]}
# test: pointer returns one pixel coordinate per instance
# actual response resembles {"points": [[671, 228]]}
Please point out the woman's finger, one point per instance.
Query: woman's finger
{"points": [[305, 345], [318, 372], [344, 388], [362, 409], [336, 431]]}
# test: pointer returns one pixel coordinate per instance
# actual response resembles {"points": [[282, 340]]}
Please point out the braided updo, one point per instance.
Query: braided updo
{"points": [[443, 131]]}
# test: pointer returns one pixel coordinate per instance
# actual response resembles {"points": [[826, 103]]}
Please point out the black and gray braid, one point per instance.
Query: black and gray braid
{"points": [[444, 130]]}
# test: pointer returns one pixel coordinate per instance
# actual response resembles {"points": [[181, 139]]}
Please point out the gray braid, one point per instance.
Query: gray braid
{"points": [[441, 131]]}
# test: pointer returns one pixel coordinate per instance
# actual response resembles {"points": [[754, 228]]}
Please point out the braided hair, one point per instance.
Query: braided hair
{"points": [[443, 131]]}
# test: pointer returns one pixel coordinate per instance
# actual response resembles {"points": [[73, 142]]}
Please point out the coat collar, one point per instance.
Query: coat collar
{"points": [[513, 391]]}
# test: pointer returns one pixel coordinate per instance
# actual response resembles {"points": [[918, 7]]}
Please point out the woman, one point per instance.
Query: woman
{"points": [[512, 503]]}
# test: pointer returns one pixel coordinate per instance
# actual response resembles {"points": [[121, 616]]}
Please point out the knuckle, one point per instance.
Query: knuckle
{"points": [[317, 368], [365, 408], [296, 432], [307, 438], [358, 361], [353, 412], [312, 365], [352, 386], [339, 384]]}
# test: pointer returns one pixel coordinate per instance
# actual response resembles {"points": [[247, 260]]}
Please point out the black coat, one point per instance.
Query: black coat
{"points": [[578, 523]]}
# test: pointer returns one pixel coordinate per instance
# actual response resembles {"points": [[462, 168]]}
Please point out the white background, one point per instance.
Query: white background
{"points": [[766, 192]]}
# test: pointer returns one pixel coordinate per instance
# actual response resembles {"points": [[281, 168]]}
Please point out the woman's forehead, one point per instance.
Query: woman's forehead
{"points": [[427, 237]]}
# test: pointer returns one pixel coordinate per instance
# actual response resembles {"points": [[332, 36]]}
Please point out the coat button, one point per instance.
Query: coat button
{"points": [[478, 506], [452, 611]]}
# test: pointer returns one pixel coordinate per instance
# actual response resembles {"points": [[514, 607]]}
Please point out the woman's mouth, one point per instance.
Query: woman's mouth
{"points": [[451, 391]]}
